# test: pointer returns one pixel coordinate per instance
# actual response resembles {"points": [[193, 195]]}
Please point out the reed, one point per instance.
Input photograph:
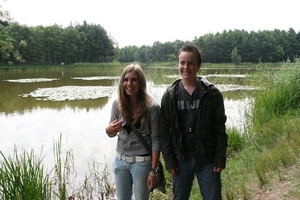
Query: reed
{"points": [[281, 93], [236, 142], [96, 184], [22, 177]]}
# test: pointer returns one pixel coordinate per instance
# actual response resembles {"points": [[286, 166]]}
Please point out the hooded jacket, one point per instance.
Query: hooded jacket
{"points": [[210, 134]]}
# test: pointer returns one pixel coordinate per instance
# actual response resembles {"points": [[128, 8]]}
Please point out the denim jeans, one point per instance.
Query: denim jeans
{"points": [[208, 180], [131, 177]]}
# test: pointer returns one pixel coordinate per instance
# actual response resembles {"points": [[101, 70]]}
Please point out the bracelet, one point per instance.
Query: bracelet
{"points": [[153, 174], [155, 170]]}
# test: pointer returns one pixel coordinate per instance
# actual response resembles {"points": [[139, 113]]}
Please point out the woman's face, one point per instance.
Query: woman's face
{"points": [[131, 84], [188, 65]]}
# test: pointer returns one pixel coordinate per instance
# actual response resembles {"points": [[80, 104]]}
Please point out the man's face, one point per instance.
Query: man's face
{"points": [[188, 65]]}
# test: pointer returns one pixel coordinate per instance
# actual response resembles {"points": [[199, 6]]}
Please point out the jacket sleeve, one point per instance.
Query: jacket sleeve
{"points": [[220, 132], [166, 144]]}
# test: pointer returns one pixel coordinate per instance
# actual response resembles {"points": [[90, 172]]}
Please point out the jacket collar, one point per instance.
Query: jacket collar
{"points": [[208, 85]]}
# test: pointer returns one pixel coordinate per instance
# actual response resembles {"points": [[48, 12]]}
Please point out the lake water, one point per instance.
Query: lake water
{"points": [[39, 106]]}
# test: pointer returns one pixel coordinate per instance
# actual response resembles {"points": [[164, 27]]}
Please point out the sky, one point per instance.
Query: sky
{"points": [[143, 22]]}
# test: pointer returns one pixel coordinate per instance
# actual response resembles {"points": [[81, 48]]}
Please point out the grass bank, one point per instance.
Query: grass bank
{"points": [[123, 64], [271, 144]]}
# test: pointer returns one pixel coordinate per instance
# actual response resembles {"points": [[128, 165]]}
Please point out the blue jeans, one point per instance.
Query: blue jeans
{"points": [[208, 180], [131, 174]]}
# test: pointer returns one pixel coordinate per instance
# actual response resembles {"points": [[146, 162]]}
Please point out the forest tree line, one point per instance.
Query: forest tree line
{"points": [[253, 47], [52, 45]]}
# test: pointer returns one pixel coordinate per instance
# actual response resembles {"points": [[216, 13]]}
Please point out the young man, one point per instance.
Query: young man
{"points": [[193, 134]]}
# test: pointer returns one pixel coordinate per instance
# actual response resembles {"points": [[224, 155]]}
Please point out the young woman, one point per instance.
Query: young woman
{"points": [[134, 169]]}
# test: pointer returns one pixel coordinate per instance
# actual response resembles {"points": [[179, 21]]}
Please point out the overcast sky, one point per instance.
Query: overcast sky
{"points": [[143, 22]]}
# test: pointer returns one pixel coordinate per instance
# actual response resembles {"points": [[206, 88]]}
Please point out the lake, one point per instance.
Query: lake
{"points": [[39, 106]]}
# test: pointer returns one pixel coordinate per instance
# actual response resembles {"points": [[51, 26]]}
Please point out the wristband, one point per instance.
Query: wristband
{"points": [[155, 170], [152, 174]]}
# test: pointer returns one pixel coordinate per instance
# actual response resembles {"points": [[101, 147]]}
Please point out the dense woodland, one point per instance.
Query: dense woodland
{"points": [[52, 45]]}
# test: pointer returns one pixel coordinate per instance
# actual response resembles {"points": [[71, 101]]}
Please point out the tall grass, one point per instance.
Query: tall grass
{"points": [[22, 177], [272, 141], [97, 182], [281, 94]]}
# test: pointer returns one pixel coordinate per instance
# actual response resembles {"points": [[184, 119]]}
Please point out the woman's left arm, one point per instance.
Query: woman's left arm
{"points": [[154, 115]]}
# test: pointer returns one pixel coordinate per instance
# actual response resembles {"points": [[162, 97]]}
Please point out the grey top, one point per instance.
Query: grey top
{"points": [[128, 143]]}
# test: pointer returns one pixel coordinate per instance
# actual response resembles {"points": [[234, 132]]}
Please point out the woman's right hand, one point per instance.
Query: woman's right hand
{"points": [[114, 127]]}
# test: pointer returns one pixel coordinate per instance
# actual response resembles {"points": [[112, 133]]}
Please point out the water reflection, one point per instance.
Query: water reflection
{"points": [[82, 132], [37, 106]]}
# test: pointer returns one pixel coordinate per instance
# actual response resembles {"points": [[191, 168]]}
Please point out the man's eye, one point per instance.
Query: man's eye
{"points": [[191, 64]]}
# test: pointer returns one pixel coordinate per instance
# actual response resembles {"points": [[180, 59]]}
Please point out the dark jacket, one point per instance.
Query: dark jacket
{"points": [[211, 137]]}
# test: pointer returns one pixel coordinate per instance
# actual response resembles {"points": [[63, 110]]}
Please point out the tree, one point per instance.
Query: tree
{"points": [[70, 41], [7, 49], [278, 54], [236, 59], [127, 53], [141, 54], [96, 46]]}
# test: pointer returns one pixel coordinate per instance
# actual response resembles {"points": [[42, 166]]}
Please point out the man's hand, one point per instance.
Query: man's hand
{"points": [[219, 169], [173, 171]]}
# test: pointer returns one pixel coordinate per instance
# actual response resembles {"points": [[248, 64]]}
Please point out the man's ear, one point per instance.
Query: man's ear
{"points": [[199, 68]]}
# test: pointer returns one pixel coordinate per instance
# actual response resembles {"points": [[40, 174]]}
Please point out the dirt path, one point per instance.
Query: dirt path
{"points": [[288, 188]]}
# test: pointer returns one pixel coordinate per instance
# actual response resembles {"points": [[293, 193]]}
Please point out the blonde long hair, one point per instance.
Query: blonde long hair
{"points": [[143, 97]]}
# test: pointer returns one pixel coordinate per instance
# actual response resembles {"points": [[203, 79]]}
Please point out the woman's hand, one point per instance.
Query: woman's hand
{"points": [[152, 180], [114, 127]]}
